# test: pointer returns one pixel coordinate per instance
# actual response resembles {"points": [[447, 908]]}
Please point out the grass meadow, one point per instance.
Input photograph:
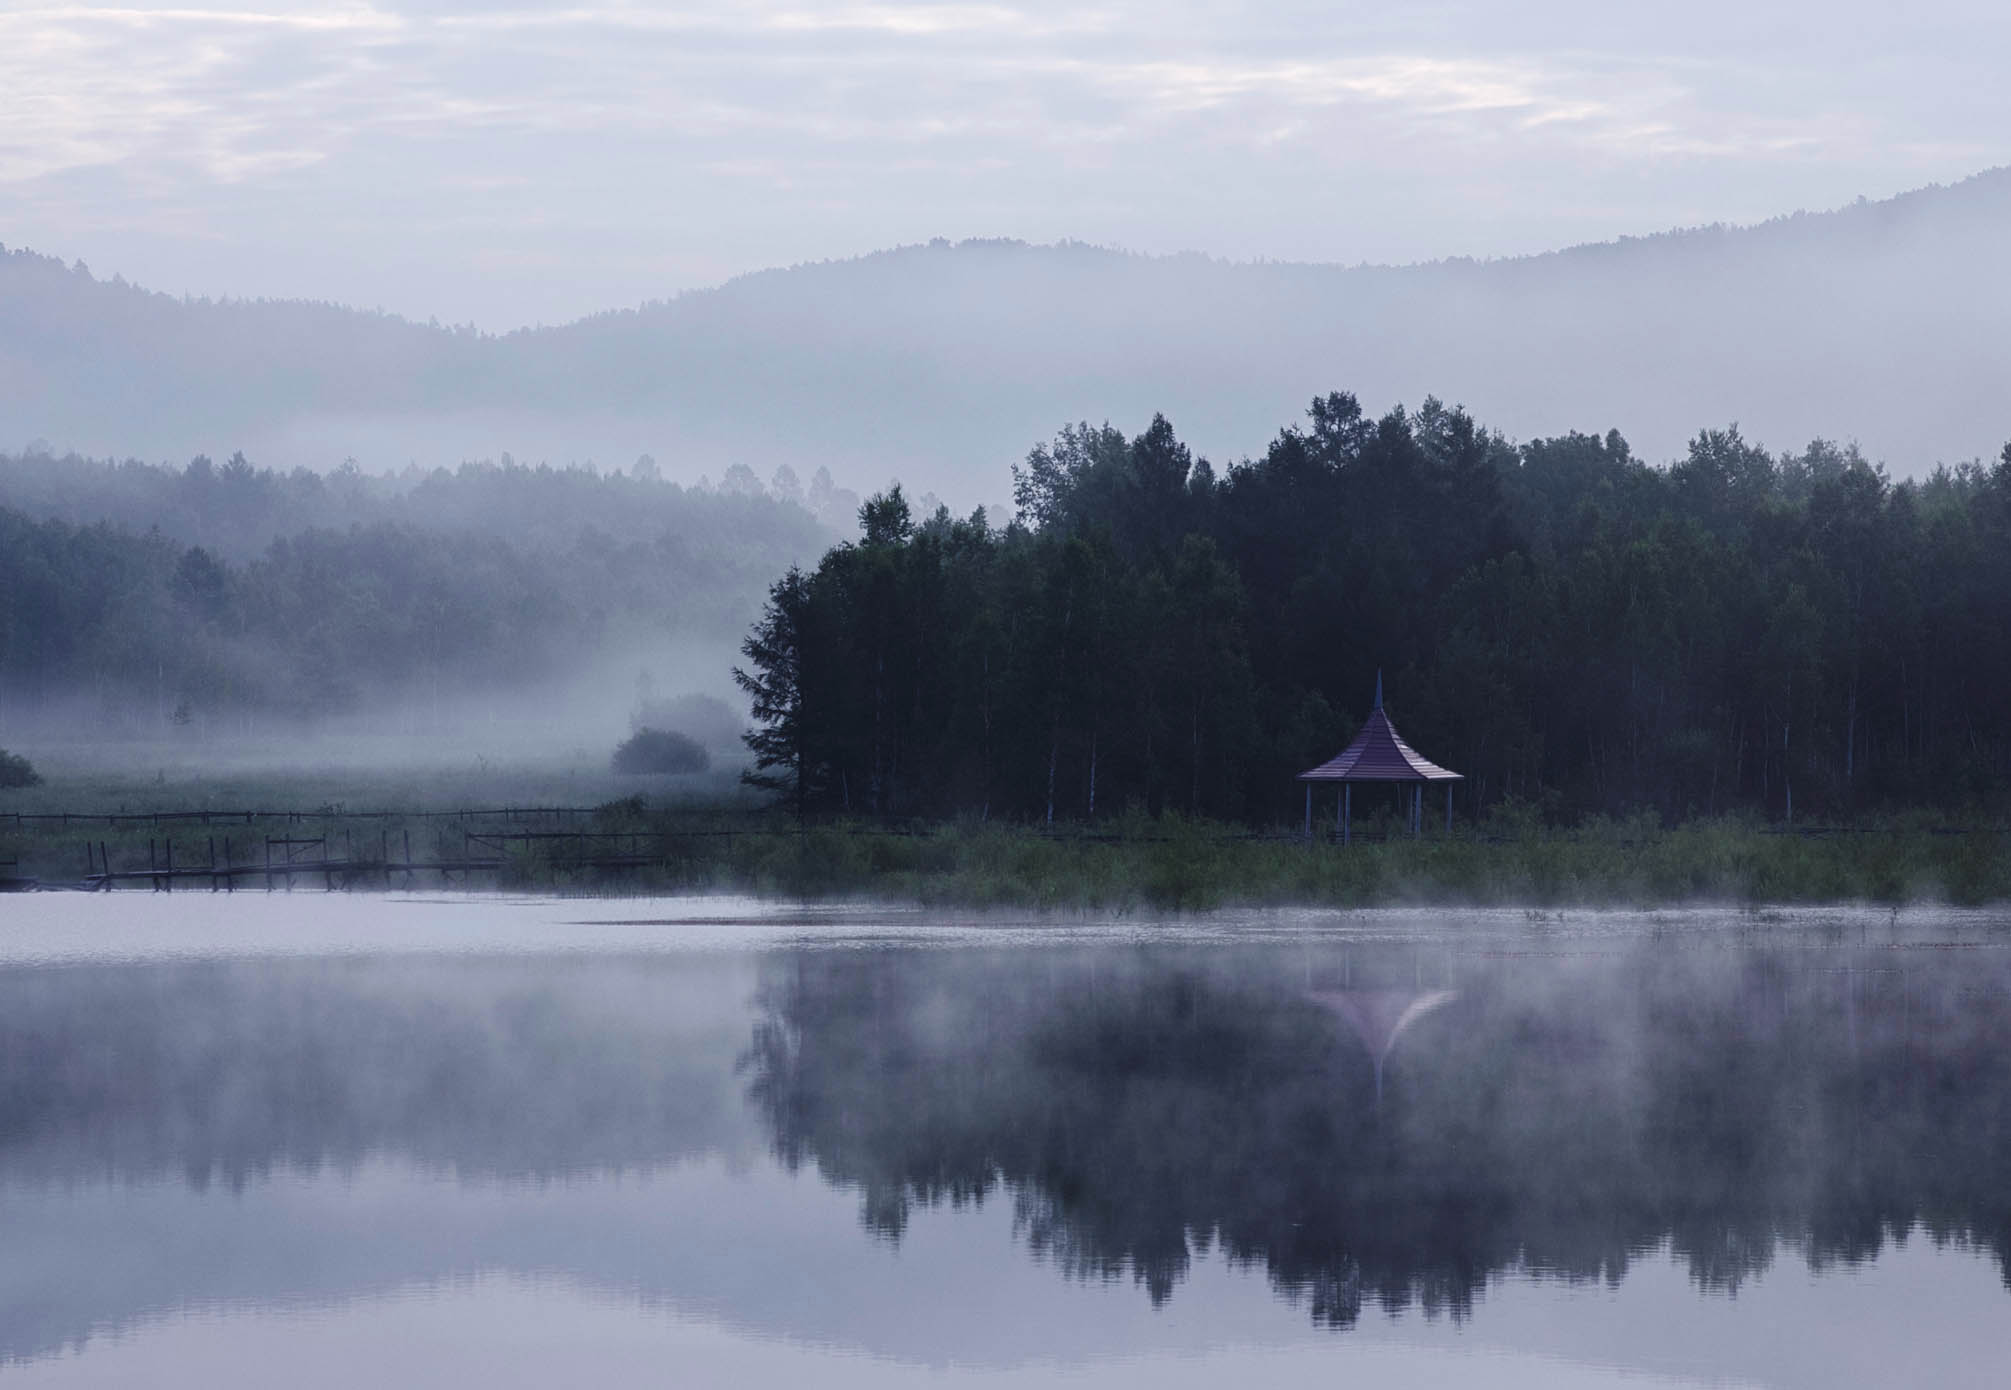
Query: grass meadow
{"points": [[706, 835]]}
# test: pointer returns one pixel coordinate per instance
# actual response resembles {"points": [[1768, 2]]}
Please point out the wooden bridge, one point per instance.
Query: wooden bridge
{"points": [[282, 861]]}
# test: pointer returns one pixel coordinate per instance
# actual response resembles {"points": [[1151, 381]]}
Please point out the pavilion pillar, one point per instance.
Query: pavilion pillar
{"points": [[1347, 813], [1309, 813], [1448, 808]]}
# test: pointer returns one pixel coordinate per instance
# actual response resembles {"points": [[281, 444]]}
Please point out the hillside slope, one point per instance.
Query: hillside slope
{"points": [[1880, 322]]}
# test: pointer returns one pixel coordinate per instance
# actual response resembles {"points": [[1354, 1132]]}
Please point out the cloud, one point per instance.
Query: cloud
{"points": [[234, 93], [1187, 122]]}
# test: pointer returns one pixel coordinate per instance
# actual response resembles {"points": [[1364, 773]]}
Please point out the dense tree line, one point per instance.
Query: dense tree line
{"points": [[209, 591], [235, 509], [1569, 626]]}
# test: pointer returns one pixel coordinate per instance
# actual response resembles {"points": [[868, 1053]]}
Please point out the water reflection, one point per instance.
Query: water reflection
{"points": [[1380, 1016], [228, 1071], [1557, 1114], [1368, 1127]]}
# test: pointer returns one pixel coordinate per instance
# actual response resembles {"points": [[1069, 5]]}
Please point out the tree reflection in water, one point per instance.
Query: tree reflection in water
{"points": [[1557, 1115], [1140, 1108]]}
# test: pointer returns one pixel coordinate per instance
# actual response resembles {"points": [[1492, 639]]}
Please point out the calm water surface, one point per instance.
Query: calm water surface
{"points": [[334, 1140]]}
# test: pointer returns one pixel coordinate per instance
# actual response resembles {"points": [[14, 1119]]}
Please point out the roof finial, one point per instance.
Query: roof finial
{"points": [[1379, 688]]}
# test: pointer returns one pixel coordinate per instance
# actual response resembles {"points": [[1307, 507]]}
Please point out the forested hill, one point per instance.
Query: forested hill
{"points": [[236, 508], [1880, 322], [131, 590], [1574, 630]]}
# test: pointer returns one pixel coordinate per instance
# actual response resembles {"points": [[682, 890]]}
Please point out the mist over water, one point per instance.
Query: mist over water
{"points": [[1694, 1146]]}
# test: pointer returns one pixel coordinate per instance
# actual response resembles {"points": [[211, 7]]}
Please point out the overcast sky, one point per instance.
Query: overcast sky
{"points": [[515, 163]]}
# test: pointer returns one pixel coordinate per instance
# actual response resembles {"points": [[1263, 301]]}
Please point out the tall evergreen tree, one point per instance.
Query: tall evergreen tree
{"points": [[773, 681]]}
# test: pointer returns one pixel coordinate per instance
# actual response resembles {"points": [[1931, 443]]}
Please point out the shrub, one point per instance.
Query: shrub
{"points": [[707, 720], [660, 751], [15, 771]]}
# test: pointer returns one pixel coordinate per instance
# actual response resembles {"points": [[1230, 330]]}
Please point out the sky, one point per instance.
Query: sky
{"points": [[515, 163]]}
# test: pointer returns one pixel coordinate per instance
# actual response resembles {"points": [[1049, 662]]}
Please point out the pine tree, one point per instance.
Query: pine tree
{"points": [[774, 650]]}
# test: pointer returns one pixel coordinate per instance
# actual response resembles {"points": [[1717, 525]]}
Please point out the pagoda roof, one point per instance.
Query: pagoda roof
{"points": [[1379, 754]]}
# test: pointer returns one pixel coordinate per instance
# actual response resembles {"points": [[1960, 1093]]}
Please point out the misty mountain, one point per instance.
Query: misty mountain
{"points": [[940, 364]]}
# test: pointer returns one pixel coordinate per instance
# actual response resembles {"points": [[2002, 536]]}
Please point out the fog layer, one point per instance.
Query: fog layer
{"points": [[497, 609], [940, 364]]}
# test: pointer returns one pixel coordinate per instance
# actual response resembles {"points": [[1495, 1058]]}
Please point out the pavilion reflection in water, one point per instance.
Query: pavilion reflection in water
{"points": [[1380, 1016]]}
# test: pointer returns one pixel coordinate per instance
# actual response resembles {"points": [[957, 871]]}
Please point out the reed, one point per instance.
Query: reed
{"points": [[1134, 862], [1185, 865]]}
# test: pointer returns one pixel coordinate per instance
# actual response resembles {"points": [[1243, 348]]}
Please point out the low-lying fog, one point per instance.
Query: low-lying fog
{"points": [[554, 739]]}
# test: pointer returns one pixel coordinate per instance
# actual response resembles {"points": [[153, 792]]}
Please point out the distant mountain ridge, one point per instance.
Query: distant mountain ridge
{"points": [[1881, 322]]}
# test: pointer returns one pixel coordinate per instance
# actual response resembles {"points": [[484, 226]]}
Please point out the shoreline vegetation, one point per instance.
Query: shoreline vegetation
{"points": [[1127, 863]]}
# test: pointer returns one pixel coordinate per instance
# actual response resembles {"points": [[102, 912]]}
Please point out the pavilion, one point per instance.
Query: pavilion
{"points": [[1378, 754]]}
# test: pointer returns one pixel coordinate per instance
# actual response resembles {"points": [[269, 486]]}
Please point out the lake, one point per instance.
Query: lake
{"points": [[331, 1140]]}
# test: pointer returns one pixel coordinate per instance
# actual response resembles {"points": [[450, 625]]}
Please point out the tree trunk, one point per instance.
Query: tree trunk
{"points": [[985, 718], [1738, 757], [797, 758], [1711, 801], [1092, 775], [1850, 732], [1194, 755], [1787, 773], [879, 704], [1053, 752]]}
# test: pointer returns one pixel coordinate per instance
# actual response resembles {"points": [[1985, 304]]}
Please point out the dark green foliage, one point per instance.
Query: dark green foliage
{"points": [[1576, 631], [659, 751], [1176, 864], [774, 652], [17, 771]]}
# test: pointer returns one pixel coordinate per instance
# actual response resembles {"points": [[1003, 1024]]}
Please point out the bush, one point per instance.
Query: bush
{"points": [[705, 719], [660, 751], [15, 771]]}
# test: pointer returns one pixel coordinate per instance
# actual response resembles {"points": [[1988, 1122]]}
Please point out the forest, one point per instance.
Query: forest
{"points": [[135, 596], [1577, 631]]}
